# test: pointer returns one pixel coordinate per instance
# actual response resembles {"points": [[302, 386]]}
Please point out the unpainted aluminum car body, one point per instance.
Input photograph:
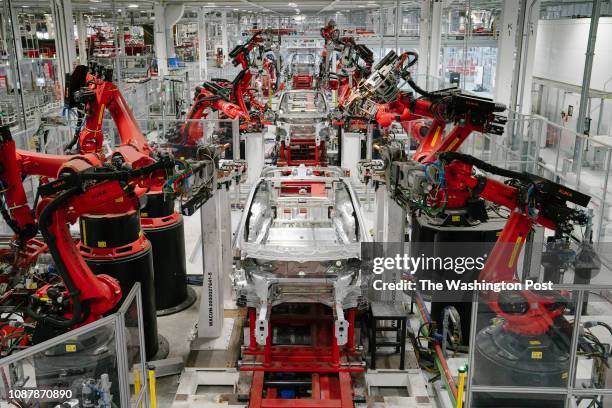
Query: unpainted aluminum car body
{"points": [[299, 241], [303, 114], [303, 63]]}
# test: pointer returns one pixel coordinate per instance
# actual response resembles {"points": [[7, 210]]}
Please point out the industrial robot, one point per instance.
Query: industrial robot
{"points": [[354, 62], [527, 320], [234, 99]]}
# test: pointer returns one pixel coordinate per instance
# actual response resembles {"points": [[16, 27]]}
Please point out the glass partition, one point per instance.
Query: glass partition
{"points": [[130, 320], [87, 366], [564, 363]]}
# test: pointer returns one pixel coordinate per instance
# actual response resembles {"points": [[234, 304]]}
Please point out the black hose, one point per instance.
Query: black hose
{"points": [[420, 90], [9, 221], [122, 175], [77, 133], [45, 220], [489, 168], [80, 311], [23, 234]]}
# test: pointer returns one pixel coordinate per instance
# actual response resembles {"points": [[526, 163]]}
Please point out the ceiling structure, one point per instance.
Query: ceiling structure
{"points": [[281, 7], [276, 7]]}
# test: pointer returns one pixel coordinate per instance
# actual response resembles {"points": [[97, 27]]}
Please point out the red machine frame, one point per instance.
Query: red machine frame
{"points": [[326, 361]]}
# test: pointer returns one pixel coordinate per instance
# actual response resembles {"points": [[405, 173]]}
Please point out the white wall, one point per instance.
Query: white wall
{"points": [[560, 53], [561, 47]]}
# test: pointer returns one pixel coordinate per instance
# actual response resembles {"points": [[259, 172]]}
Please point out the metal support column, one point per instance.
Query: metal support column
{"points": [[64, 37], [390, 230], [119, 42], [82, 32], [214, 214], [435, 40], [586, 85], [382, 33], [13, 32], [530, 34], [161, 53], [513, 106], [224, 44], [202, 37], [16, 33], [3, 30], [424, 49], [505, 51], [398, 20]]}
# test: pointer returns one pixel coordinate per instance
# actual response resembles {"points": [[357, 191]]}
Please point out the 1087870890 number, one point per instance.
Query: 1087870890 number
{"points": [[40, 394]]}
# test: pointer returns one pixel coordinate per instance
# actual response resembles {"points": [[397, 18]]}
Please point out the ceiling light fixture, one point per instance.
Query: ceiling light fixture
{"points": [[292, 5], [132, 5]]}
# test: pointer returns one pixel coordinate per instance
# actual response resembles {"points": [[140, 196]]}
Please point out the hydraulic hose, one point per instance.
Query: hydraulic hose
{"points": [[420, 90], [78, 313], [77, 133], [489, 168]]}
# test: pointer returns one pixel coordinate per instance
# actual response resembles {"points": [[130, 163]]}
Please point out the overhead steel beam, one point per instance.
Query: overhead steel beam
{"points": [[329, 6], [250, 3]]}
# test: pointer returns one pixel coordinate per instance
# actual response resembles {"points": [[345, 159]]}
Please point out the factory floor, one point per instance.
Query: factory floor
{"points": [[177, 329]]}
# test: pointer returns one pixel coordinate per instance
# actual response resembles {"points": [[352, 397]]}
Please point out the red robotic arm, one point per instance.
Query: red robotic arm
{"points": [[380, 97], [531, 200], [17, 164], [84, 297], [96, 92], [208, 97], [15, 209], [242, 83]]}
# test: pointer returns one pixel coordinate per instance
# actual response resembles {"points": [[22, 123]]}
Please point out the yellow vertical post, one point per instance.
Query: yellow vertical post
{"points": [[137, 384], [461, 386], [269, 92], [152, 387]]}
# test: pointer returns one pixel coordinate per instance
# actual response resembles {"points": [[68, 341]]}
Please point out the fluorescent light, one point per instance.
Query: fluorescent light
{"points": [[132, 5], [292, 5], [118, 10], [235, 9]]}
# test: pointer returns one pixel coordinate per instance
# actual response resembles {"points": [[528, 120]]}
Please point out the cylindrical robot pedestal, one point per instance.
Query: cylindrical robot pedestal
{"points": [[504, 358], [114, 245], [454, 238], [164, 228]]}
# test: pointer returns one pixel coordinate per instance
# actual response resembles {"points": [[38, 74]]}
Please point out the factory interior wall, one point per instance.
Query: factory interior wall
{"points": [[560, 55]]}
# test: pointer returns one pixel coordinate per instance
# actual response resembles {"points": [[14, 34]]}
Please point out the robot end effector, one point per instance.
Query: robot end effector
{"points": [[450, 105]]}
